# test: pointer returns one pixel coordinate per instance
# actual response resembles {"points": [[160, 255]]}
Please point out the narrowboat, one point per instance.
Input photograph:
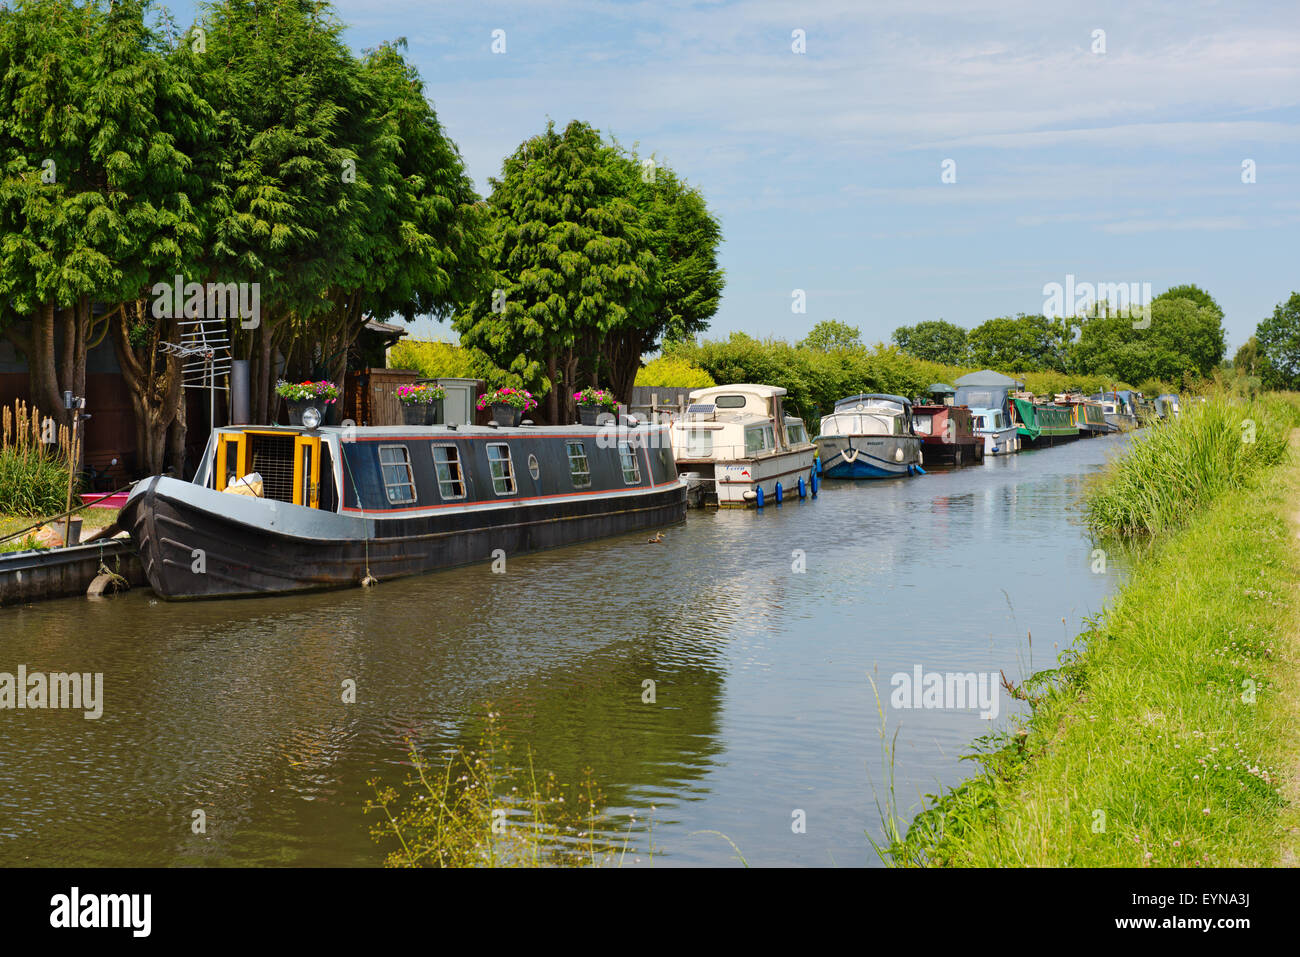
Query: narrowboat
{"points": [[1167, 406], [947, 434], [869, 437], [1042, 423], [1118, 412], [988, 395], [736, 446], [1088, 416], [329, 507]]}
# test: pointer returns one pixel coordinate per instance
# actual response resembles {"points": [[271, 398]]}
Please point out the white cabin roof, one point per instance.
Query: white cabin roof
{"points": [[762, 391]]}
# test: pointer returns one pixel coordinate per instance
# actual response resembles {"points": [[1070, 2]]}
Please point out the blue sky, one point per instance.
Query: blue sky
{"points": [[825, 167]]}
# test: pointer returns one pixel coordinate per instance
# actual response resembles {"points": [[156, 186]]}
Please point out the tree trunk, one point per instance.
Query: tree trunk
{"points": [[155, 393], [553, 399]]}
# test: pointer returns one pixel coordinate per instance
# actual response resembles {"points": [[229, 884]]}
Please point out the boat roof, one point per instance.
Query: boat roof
{"points": [[765, 391], [987, 377], [855, 399]]}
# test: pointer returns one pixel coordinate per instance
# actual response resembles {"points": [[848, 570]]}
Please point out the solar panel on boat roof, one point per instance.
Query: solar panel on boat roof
{"points": [[702, 408]]}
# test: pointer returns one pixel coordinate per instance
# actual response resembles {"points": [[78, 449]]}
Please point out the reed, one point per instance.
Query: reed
{"points": [[34, 462], [1171, 469], [475, 808]]}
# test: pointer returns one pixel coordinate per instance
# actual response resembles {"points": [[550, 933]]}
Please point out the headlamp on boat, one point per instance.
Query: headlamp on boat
{"points": [[311, 417]]}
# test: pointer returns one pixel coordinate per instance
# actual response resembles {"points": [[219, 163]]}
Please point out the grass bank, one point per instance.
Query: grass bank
{"points": [[1166, 736]]}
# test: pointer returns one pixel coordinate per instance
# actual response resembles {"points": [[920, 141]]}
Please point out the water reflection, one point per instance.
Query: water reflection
{"points": [[762, 707]]}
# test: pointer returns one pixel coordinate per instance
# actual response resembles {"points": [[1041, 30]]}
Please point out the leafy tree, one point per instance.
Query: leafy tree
{"points": [[934, 341], [1279, 345], [1184, 339], [831, 334], [593, 264], [1020, 343], [687, 281], [1193, 292], [1247, 360], [96, 198]]}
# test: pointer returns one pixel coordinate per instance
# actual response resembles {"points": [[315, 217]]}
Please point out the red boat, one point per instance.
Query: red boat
{"points": [[948, 434]]}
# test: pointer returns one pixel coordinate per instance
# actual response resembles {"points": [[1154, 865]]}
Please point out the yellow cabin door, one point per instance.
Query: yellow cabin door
{"points": [[232, 458], [306, 471]]}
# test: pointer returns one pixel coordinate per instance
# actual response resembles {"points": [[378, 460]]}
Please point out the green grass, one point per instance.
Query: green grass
{"points": [[1176, 467], [32, 482], [1162, 739], [91, 519]]}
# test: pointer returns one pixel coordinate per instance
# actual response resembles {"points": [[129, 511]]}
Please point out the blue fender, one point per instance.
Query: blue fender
{"points": [[758, 502], [803, 489], [816, 483], [779, 495]]}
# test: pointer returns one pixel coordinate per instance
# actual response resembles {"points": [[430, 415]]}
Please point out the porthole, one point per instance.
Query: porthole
{"points": [[533, 468]]}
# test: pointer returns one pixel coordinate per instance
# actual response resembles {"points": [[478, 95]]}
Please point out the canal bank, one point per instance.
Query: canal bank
{"points": [[1167, 734]]}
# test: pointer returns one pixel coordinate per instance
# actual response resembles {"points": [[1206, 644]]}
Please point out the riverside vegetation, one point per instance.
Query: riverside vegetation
{"points": [[476, 808], [1161, 737]]}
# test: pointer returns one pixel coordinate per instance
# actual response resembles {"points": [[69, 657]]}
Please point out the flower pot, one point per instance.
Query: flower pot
{"points": [[590, 414], [506, 415], [422, 413], [298, 406]]}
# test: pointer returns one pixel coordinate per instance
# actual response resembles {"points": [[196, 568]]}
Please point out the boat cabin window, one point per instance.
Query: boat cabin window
{"points": [[446, 463], [921, 425], [699, 444], [729, 401], [631, 467], [399, 484], [795, 433], [534, 469], [503, 470], [759, 438], [579, 469]]}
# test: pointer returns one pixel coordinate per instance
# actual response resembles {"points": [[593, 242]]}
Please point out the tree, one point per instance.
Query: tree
{"points": [[593, 264], [831, 334], [934, 341], [1184, 339], [1247, 360], [1020, 343], [1279, 345], [96, 196]]}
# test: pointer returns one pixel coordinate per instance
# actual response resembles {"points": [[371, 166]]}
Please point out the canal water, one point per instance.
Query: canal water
{"points": [[760, 631]]}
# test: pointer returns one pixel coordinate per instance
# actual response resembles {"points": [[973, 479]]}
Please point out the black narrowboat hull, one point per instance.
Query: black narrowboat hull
{"points": [[199, 543]]}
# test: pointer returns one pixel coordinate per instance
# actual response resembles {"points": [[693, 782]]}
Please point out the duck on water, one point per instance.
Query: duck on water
{"points": [[281, 509]]}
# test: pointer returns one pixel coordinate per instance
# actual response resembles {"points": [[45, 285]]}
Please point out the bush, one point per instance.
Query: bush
{"points": [[673, 372], [437, 360], [1170, 470], [32, 482]]}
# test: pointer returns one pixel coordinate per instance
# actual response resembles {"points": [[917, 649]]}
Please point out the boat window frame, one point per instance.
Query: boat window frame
{"points": [[510, 469], [410, 475], [457, 480], [692, 447], [754, 430], [718, 400], [627, 450], [574, 472]]}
